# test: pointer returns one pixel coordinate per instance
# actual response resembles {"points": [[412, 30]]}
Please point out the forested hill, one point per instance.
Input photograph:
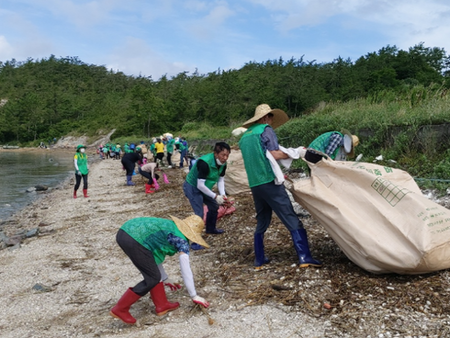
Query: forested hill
{"points": [[51, 97]]}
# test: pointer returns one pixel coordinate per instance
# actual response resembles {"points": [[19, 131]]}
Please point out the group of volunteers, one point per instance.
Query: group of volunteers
{"points": [[148, 240]]}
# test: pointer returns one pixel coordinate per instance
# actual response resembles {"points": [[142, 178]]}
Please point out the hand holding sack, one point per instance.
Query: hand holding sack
{"points": [[201, 301]]}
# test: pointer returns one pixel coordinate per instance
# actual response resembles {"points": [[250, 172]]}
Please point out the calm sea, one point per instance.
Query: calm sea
{"points": [[22, 169]]}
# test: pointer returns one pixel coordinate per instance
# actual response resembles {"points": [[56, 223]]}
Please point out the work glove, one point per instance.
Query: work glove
{"points": [[302, 151], [77, 172], [201, 301], [220, 199], [172, 285]]}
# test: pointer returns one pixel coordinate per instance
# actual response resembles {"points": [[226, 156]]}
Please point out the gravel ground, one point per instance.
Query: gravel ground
{"points": [[83, 272]]}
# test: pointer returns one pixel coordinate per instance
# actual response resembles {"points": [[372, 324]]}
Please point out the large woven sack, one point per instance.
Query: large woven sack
{"points": [[377, 216], [236, 180]]}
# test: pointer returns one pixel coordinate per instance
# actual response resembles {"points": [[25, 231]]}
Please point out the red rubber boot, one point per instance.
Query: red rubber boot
{"points": [[162, 305], [74, 194], [149, 189], [122, 308], [85, 193]]}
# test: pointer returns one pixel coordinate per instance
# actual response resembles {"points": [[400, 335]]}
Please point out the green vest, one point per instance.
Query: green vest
{"points": [[151, 233], [170, 145], [82, 163], [322, 141], [213, 175], [180, 145], [258, 168]]}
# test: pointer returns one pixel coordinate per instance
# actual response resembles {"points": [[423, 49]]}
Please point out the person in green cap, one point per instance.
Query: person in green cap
{"points": [[81, 170]]}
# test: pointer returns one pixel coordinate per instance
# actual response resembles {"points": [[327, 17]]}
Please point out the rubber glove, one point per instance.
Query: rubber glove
{"points": [[172, 285], [77, 172], [220, 199], [201, 301], [166, 180], [155, 184]]}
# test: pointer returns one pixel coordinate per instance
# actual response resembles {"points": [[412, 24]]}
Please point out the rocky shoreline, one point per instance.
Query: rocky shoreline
{"points": [[62, 281]]}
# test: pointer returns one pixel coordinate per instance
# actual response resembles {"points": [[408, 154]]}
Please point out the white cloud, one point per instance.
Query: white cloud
{"points": [[137, 58], [210, 25]]}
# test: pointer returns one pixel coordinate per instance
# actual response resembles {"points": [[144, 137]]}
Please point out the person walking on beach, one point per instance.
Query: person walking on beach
{"points": [[256, 142], [147, 241], [159, 148], [170, 148], [81, 170]]}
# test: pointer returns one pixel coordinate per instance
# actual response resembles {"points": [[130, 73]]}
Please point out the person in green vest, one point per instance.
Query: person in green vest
{"points": [[126, 148], [208, 171], [147, 241], [268, 196], [80, 161], [153, 149], [182, 146], [170, 148], [337, 145]]}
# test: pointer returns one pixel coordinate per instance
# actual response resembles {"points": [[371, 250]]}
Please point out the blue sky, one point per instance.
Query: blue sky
{"points": [[154, 38]]}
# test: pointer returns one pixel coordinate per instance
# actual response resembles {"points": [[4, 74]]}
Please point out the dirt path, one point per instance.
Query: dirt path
{"points": [[76, 257]]}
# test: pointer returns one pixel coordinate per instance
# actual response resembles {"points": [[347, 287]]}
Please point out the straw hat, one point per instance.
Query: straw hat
{"points": [[192, 228], [350, 142], [279, 116]]}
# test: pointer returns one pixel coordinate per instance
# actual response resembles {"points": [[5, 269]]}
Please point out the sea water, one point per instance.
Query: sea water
{"points": [[24, 169]]}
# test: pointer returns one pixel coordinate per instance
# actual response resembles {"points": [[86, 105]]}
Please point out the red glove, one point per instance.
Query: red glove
{"points": [[201, 301], [172, 285]]}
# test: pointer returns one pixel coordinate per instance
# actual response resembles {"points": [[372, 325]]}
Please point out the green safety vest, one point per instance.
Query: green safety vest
{"points": [[213, 175], [151, 233], [257, 165], [170, 145], [322, 141], [82, 163]]}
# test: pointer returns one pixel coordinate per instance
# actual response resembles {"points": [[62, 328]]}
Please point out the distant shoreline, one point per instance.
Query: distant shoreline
{"points": [[37, 197]]}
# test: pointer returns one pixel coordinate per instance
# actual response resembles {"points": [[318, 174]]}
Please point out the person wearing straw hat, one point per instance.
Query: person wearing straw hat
{"points": [[147, 241], [206, 172], [258, 140], [80, 161], [337, 145]]}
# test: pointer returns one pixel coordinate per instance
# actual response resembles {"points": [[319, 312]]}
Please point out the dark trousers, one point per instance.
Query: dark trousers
{"points": [[129, 166], [143, 260], [197, 199], [78, 181], [169, 158], [148, 175], [271, 197], [159, 156]]}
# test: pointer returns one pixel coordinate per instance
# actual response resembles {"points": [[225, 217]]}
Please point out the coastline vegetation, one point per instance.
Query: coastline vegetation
{"points": [[396, 101]]}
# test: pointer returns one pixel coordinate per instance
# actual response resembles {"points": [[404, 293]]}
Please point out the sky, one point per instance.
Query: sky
{"points": [[153, 38]]}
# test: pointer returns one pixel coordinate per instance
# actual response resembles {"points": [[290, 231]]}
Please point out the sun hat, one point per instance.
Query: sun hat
{"points": [[350, 142], [192, 228], [279, 116], [80, 146]]}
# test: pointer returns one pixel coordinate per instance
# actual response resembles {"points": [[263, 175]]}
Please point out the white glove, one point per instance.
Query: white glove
{"points": [[201, 301], [302, 151], [220, 199]]}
